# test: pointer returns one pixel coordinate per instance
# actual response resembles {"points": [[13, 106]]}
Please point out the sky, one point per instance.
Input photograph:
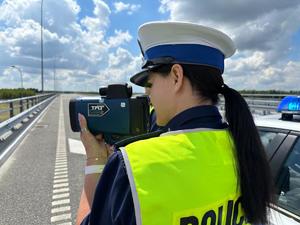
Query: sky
{"points": [[92, 43]]}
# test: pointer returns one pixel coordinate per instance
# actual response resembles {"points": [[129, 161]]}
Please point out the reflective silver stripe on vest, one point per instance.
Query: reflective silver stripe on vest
{"points": [[190, 131], [136, 202]]}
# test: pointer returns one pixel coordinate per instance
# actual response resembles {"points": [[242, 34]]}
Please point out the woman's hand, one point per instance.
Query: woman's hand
{"points": [[95, 146]]}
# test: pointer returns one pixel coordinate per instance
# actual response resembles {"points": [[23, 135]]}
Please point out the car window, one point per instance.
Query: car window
{"points": [[266, 137], [289, 181]]}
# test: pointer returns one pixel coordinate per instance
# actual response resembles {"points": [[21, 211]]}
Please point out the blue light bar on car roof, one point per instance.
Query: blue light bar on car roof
{"points": [[290, 105]]}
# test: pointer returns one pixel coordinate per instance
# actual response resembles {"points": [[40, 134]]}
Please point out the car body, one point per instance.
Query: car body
{"points": [[282, 143]]}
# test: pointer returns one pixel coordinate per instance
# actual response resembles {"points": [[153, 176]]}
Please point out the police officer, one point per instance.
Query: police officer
{"points": [[201, 170]]}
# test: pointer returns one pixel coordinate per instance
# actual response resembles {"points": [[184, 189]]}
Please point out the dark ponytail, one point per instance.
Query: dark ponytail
{"points": [[253, 169]]}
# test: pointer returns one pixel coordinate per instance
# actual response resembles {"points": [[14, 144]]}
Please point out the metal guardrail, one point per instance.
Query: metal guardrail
{"points": [[263, 104], [15, 122], [13, 107], [14, 129], [267, 106], [266, 96]]}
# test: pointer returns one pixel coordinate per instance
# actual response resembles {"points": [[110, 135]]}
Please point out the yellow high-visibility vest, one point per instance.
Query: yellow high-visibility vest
{"points": [[185, 178]]}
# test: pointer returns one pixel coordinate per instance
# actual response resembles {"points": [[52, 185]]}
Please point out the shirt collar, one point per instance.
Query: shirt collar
{"points": [[206, 116]]}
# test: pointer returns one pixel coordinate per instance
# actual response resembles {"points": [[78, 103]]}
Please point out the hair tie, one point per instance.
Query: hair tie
{"points": [[223, 89]]}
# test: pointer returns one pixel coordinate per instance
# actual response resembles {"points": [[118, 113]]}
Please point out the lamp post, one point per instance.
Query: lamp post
{"points": [[42, 48], [21, 74], [54, 74]]}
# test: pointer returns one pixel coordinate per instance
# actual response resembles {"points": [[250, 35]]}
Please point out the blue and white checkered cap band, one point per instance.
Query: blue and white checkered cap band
{"points": [[189, 54]]}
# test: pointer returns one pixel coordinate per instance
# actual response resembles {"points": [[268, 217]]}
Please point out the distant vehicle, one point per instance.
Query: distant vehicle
{"points": [[280, 134]]}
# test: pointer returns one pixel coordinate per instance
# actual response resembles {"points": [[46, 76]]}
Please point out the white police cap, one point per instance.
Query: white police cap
{"points": [[181, 42]]}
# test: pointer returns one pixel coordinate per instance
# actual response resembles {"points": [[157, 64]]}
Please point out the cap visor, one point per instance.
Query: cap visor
{"points": [[140, 78]]}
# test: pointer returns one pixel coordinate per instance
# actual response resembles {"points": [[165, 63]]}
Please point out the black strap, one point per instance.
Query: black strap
{"points": [[127, 141]]}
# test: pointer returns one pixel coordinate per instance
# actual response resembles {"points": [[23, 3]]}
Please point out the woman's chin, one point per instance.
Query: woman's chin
{"points": [[160, 122]]}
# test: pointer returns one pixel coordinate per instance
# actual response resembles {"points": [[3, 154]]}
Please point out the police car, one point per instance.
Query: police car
{"points": [[280, 135]]}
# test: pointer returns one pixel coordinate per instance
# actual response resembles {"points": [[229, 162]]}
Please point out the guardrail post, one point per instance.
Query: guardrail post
{"points": [[21, 106], [27, 102], [11, 109]]}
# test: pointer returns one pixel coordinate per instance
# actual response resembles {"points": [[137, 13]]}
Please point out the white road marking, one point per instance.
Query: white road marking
{"points": [[60, 173], [61, 157], [60, 176], [55, 191], [61, 185], [61, 192], [76, 146], [61, 209], [65, 195], [68, 223], [61, 169], [61, 202], [61, 166], [60, 217], [61, 161], [61, 181]]}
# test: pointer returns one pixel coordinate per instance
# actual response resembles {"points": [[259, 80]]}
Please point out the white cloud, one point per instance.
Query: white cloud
{"points": [[100, 19], [253, 72], [130, 8], [261, 30], [223, 11], [119, 38], [80, 51], [102, 11], [120, 58], [92, 24], [247, 62], [121, 66], [86, 55]]}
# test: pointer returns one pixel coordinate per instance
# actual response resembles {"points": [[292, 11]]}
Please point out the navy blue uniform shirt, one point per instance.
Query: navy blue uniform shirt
{"points": [[113, 204]]}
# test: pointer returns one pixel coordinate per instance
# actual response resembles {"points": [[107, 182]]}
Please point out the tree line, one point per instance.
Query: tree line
{"points": [[270, 92], [17, 93]]}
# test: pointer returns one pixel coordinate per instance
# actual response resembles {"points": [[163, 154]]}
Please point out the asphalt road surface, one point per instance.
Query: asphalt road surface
{"points": [[41, 182]]}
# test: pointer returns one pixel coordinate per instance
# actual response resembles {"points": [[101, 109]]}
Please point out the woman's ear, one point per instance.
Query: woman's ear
{"points": [[177, 76]]}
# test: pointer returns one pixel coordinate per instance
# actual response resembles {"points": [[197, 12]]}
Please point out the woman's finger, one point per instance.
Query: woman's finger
{"points": [[82, 122], [95, 146], [111, 149]]}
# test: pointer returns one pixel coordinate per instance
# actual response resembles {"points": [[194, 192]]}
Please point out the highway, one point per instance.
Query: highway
{"points": [[41, 182]]}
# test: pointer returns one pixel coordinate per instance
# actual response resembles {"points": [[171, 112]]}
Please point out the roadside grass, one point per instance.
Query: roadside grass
{"points": [[5, 115]]}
